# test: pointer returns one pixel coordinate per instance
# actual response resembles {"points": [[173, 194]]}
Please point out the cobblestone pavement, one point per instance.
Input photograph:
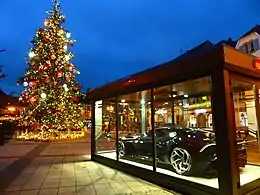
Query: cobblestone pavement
{"points": [[37, 173]]}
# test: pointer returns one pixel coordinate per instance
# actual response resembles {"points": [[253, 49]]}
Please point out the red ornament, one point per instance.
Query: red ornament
{"points": [[50, 126], [41, 71], [33, 126], [70, 66], [59, 73], [71, 43], [32, 84], [41, 29], [75, 99], [57, 85], [47, 80]]}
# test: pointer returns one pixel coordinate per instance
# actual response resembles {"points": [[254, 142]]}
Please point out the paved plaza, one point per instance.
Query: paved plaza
{"points": [[30, 168]]}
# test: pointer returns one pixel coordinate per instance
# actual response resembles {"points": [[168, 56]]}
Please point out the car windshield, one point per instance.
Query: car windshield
{"points": [[160, 132]]}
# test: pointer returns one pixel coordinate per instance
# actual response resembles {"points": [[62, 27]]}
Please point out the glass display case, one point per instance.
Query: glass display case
{"points": [[191, 125]]}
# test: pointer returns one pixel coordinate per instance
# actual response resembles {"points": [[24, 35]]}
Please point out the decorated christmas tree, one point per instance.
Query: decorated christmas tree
{"points": [[51, 90]]}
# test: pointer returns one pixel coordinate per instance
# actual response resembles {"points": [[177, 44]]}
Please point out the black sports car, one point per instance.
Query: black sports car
{"points": [[188, 151]]}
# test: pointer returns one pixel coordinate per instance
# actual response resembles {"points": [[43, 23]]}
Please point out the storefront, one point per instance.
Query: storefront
{"points": [[190, 124]]}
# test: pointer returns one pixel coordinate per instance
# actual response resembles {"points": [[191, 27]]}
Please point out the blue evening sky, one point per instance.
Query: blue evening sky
{"points": [[116, 38]]}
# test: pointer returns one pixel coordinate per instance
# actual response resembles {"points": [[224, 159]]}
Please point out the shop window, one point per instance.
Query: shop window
{"points": [[185, 144], [105, 129], [134, 123], [247, 131]]}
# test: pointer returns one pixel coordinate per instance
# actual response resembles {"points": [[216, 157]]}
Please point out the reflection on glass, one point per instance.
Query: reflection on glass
{"points": [[135, 139], [185, 138], [105, 130], [244, 97]]}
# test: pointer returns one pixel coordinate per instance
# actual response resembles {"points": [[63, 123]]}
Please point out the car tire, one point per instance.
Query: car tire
{"points": [[181, 161], [121, 149]]}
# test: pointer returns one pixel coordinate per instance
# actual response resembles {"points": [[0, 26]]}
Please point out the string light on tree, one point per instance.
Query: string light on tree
{"points": [[25, 84], [43, 95], [31, 54], [51, 89], [68, 35]]}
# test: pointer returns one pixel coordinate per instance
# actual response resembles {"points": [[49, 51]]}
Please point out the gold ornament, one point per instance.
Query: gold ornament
{"points": [[47, 22], [53, 57], [60, 32], [60, 51]]}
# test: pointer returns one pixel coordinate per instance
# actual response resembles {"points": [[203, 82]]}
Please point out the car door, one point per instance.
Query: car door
{"points": [[144, 145], [161, 137]]}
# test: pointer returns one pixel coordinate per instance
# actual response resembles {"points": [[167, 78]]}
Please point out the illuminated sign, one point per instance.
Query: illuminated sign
{"points": [[256, 64], [129, 81], [200, 111], [161, 111]]}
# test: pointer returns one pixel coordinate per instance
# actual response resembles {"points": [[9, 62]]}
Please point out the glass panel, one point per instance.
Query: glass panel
{"points": [[135, 138], [185, 137], [86, 116], [246, 130], [105, 130]]}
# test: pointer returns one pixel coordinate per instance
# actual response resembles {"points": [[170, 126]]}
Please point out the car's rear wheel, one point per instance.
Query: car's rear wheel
{"points": [[121, 149], [181, 161]]}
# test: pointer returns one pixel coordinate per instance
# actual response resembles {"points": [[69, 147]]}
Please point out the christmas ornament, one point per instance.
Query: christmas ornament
{"points": [[47, 80], [68, 79], [59, 73], [71, 43], [33, 126], [75, 99], [31, 84], [53, 57], [63, 19], [60, 32], [41, 71], [47, 23], [60, 51], [33, 99], [70, 66]]}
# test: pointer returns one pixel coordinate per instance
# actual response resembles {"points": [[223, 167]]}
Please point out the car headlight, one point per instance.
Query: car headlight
{"points": [[172, 134]]}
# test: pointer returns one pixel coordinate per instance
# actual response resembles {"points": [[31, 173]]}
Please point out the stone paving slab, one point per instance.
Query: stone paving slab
{"points": [[13, 170], [13, 151], [5, 162], [56, 175], [65, 168], [16, 150]]}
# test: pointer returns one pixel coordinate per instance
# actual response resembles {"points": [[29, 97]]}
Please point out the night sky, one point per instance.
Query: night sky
{"points": [[116, 38]]}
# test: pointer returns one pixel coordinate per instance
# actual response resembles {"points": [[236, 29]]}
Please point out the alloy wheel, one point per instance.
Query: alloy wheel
{"points": [[121, 149], [181, 160]]}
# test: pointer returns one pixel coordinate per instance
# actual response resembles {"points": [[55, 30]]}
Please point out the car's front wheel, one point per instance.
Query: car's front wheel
{"points": [[181, 161]]}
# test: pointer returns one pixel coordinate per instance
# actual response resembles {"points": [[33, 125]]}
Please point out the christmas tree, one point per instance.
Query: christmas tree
{"points": [[51, 90]]}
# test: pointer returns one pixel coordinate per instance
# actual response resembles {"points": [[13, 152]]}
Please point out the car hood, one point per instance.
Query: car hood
{"points": [[129, 137]]}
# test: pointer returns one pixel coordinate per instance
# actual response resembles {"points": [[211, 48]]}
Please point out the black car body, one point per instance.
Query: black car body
{"points": [[188, 151]]}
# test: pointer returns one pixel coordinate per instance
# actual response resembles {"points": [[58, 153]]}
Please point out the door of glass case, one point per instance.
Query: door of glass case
{"points": [[246, 107]]}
